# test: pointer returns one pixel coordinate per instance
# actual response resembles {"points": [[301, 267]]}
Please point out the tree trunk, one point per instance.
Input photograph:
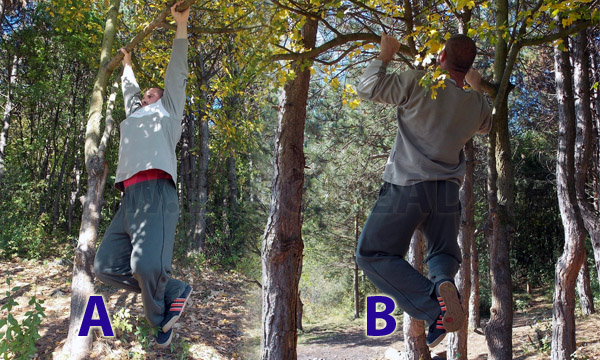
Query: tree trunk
{"points": [[583, 158], [8, 106], [202, 189], [415, 346], [78, 347], [474, 316], [282, 246], [457, 343], [586, 299], [569, 263], [498, 332], [355, 270]]}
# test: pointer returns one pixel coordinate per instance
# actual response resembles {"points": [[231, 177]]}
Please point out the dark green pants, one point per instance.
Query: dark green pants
{"points": [[137, 248], [435, 207]]}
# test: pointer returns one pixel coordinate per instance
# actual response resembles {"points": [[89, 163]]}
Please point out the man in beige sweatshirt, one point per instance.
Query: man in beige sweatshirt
{"points": [[422, 178]]}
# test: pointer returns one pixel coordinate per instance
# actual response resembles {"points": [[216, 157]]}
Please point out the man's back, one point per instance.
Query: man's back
{"points": [[431, 132]]}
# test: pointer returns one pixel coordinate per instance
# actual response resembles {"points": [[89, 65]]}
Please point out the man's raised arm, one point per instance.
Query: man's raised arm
{"points": [[131, 90], [177, 70]]}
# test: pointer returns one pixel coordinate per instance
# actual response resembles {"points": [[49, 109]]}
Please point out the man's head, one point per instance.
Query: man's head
{"points": [[458, 54], [152, 95]]}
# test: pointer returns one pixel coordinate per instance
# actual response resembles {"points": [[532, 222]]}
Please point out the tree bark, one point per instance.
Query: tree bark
{"points": [[474, 316], [457, 343], [583, 155], [586, 299], [8, 107], [498, 332], [415, 345], [355, 270], [78, 347], [282, 245], [569, 263]]}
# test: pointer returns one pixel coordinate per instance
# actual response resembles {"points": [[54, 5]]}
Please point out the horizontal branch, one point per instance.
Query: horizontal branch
{"points": [[552, 37], [159, 20], [338, 41], [208, 30]]}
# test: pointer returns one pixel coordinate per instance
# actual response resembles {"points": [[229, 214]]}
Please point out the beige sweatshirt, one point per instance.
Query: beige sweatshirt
{"points": [[431, 133], [149, 134]]}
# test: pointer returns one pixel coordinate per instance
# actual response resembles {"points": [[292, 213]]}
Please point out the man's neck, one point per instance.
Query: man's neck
{"points": [[458, 77]]}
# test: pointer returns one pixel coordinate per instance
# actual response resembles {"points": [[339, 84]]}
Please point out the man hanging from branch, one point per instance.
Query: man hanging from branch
{"points": [[137, 248], [421, 182]]}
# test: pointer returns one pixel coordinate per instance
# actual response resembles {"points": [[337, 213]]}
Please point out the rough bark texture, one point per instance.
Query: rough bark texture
{"points": [[8, 107], [498, 332], [474, 316], [586, 299], [415, 345], [282, 246], [355, 270], [583, 158], [569, 263], [457, 341], [78, 347]]}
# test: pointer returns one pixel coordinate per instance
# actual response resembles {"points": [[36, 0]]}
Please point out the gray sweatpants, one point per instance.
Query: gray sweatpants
{"points": [[137, 248], [386, 236]]}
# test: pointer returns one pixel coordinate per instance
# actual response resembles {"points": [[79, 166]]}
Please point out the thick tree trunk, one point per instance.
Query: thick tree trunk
{"points": [[78, 347], [282, 246], [8, 107], [569, 263], [498, 332], [457, 343], [415, 346]]}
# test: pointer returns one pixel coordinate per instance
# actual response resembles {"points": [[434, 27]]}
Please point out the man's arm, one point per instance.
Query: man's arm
{"points": [[131, 90], [376, 85], [473, 77], [177, 70]]}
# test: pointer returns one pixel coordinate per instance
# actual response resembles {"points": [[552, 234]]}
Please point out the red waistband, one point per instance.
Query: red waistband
{"points": [[146, 175]]}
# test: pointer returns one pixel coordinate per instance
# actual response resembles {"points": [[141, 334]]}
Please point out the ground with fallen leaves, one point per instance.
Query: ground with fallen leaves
{"points": [[223, 322], [211, 328]]}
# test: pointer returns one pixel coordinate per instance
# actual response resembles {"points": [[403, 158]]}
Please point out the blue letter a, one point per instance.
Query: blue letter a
{"points": [[373, 315], [103, 321]]}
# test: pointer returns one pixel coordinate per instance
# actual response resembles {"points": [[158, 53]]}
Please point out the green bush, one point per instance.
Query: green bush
{"points": [[18, 340]]}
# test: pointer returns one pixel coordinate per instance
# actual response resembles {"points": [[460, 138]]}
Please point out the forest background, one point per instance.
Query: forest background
{"points": [[247, 60]]}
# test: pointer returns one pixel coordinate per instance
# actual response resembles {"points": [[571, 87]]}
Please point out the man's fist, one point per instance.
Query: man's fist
{"points": [[389, 47], [180, 17], [473, 77], [126, 57]]}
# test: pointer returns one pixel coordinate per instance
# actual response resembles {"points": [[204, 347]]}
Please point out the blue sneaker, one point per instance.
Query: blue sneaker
{"points": [[436, 332], [175, 309], [163, 339]]}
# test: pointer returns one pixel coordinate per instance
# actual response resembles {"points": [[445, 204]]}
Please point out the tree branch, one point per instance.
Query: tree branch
{"points": [[340, 40], [552, 37], [112, 64]]}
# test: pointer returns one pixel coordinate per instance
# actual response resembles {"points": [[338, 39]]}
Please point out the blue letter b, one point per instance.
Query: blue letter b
{"points": [[373, 315], [103, 320]]}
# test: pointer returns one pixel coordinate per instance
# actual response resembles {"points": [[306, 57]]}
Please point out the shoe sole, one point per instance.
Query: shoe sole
{"points": [[437, 341], [166, 327], [454, 317]]}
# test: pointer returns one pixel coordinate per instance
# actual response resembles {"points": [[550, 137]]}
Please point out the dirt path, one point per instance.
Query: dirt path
{"points": [[531, 339]]}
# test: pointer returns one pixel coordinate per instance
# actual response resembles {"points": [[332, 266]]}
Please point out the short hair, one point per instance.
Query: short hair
{"points": [[460, 52], [161, 90]]}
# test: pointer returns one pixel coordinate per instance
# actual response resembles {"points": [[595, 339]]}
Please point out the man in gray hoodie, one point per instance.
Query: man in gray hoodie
{"points": [[137, 248], [422, 178]]}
